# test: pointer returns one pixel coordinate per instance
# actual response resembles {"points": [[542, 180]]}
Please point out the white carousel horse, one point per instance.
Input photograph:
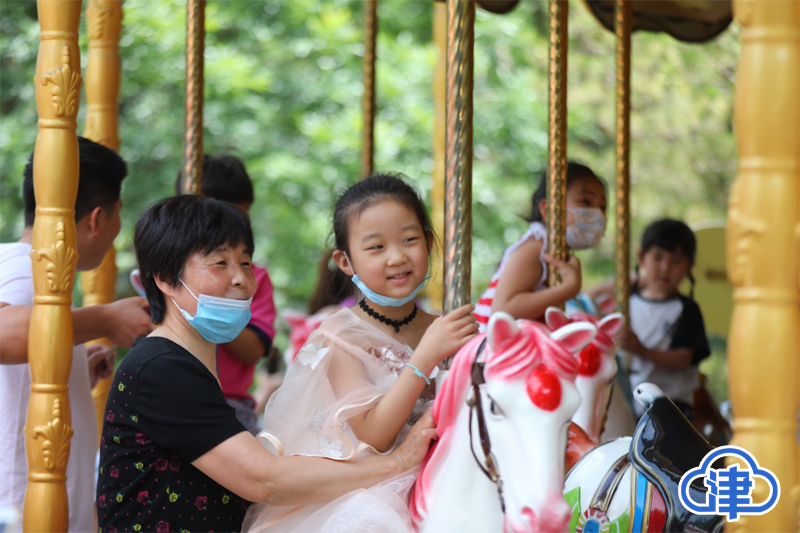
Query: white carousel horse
{"points": [[597, 368], [502, 432], [631, 483]]}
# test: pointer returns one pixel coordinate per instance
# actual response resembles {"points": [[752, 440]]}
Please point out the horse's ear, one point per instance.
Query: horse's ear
{"points": [[575, 337], [555, 318], [610, 325], [502, 331], [605, 304]]}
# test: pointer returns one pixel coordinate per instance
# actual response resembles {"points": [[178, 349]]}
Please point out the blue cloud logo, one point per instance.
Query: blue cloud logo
{"points": [[730, 490]]}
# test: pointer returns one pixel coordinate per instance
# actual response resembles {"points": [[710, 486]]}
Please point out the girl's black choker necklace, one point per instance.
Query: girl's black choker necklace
{"points": [[396, 324]]}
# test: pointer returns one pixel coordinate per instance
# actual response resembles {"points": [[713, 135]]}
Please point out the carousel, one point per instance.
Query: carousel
{"points": [[628, 484]]}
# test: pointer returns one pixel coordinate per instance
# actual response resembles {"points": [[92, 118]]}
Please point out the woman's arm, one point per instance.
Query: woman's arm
{"points": [[514, 293], [243, 466]]}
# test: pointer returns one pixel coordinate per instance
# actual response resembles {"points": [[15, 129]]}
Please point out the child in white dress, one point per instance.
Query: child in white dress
{"points": [[365, 375]]}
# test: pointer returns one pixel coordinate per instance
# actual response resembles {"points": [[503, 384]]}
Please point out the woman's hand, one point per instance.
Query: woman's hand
{"points": [[444, 337], [100, 358], [569, 270], [415, 448]]}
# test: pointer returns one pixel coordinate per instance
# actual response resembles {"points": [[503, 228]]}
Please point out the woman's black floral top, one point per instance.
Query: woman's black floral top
{"points": [[165, 410]]}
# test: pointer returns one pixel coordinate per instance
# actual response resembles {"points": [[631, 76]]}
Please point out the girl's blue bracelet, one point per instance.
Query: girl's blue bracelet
{"points": [[418, 372]]}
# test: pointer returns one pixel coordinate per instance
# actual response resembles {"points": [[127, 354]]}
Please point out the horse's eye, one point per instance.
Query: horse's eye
{"points": [[493, 407], [544, 388]]}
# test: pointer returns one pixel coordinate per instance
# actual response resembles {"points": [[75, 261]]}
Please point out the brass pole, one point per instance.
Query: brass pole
{"points": [[370, 39], [557, 135], [435, 289], [192, 170], [458, 156], [54, 257], [764, 255], [622, 238], [104, 22]]}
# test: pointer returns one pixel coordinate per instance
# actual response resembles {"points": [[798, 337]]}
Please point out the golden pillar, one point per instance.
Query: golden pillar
{"points": [[557, 135], [458, 155], [54, 259], [763, 254], [104, 22], [370, 40], [435, 287], [192, 169], [622, 237]]}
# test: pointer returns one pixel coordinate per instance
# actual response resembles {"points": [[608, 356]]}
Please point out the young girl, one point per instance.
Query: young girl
{"points": [[519, 287], [365, 375], [667, 336]]}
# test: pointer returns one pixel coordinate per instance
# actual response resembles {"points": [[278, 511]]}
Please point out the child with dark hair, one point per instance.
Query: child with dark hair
{"points": [[366, 374], [519, 286], [666, 336], [225, 178]]}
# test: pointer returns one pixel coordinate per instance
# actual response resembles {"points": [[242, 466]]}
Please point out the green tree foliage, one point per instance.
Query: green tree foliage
{"points": [[283, 91]]}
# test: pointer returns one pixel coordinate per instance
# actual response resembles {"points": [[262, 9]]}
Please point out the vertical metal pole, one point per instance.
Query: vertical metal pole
{"points": [[557, 135], [192, 170], [458, 158], [622, 238], [370, 40]]}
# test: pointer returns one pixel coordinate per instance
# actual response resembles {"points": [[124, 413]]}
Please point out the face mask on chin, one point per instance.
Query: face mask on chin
{"points": [[380, 299], [587, 229], [218, 320]]}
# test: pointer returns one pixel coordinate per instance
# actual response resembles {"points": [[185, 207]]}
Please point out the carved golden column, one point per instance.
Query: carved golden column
{"points": [[764, 254], [622, 237], [557, 135], [435, 286], [370, 39], [104, 22], [54, 257], [192, 170]]}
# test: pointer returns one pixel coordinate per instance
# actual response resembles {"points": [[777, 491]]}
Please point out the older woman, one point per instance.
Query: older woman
{"points": [[173, 456]]}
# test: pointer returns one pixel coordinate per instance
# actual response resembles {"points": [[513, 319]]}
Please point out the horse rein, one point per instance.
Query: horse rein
{"points": [[489, 466]]}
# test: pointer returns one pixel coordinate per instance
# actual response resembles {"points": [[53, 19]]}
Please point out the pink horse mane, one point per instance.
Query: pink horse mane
{"points": [[516, 355]]}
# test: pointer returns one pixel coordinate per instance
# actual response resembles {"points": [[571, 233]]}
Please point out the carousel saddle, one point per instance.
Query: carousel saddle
{"points": [[665, 446]]}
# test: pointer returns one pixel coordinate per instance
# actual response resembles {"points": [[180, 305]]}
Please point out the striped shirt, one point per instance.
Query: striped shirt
{"points": [[483, 309]]}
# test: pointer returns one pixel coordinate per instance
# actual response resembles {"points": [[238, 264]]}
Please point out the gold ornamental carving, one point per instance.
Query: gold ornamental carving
{"points": [[97, 15], [55, 437], [66, 87], [61, 262]]}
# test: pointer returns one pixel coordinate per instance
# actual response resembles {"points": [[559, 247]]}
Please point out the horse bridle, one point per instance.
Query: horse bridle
{"points": [[489, 467]]}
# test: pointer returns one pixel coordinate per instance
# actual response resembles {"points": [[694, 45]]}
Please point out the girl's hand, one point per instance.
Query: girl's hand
{"points": [[444, 337], [627, 340], [569, 270]]}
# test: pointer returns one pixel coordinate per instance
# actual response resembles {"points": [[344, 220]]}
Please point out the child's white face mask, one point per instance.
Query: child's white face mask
{"points": [[587, 229]]}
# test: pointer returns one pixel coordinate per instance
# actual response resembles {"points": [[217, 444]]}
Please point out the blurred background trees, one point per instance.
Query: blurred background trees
{"points": [[283, 92]]}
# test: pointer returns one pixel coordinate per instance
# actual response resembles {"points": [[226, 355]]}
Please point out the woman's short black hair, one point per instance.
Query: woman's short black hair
{"points": [[224, 178], [171, 230], [672, 236]]}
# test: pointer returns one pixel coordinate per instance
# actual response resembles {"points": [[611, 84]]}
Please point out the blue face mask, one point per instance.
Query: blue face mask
{"points": [[218, 320], [379, 299]]}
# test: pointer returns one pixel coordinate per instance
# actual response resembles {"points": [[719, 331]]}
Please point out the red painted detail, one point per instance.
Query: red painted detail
{"points": [[658, 512], [544, 388], [590, 359]]}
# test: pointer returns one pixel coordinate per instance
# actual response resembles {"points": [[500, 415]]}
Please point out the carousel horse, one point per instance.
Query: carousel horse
{"points": [[597, 368], [631, 484], [502, 415]]}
